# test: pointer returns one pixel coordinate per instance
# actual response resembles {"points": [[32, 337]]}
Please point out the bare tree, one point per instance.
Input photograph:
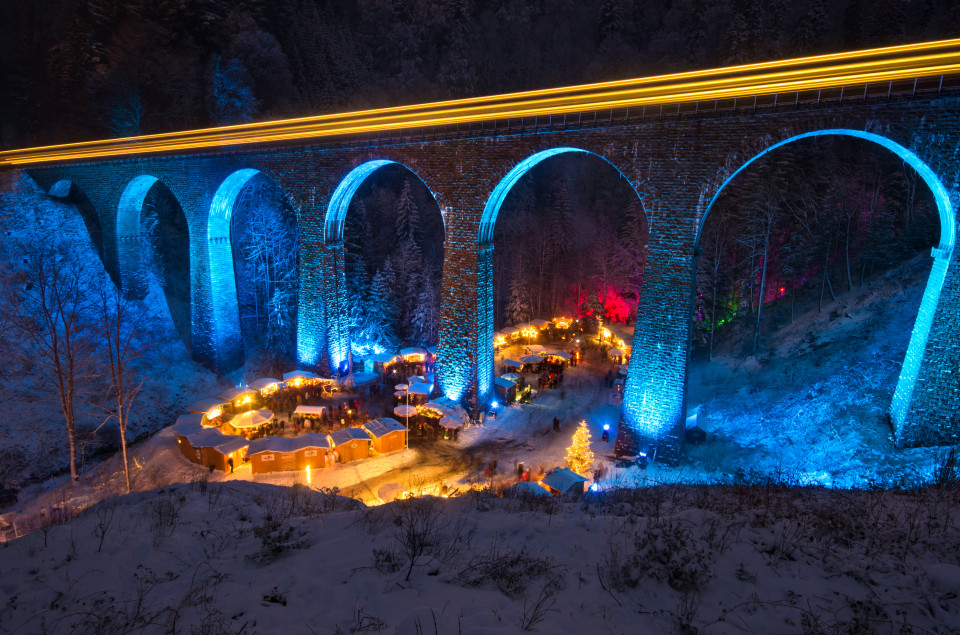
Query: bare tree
{"points": [[119, 329], [49, 308]]}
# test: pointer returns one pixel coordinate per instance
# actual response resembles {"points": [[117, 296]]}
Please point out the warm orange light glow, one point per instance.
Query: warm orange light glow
{"points": [[562, 322], [530, 331], [784, 76]]}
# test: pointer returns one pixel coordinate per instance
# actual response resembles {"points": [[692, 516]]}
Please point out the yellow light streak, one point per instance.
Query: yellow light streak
{"points": [[777, 77]]}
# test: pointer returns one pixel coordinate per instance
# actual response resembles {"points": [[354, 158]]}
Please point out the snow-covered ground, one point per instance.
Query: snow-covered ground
{"points": [[240, 557]]}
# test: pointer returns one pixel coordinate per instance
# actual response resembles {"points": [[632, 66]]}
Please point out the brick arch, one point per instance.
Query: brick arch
{"points": [[129, 245], [941, 258], [338, 335], [454, 387], [226, 335]]}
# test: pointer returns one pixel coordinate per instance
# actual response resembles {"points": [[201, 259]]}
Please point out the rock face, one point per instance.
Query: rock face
{"points": [[679, 156]]}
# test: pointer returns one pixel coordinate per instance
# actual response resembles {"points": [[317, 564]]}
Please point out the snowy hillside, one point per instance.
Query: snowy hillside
{"points": [[813, 405], [211, 557], [33, 439]]}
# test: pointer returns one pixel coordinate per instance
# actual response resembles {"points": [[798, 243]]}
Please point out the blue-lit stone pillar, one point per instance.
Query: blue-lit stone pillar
{"points": [[926, 404], [335, 287], [654, 399], [466, 328]]}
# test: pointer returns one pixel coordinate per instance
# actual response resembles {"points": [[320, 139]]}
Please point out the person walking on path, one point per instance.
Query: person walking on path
{"points": [[556, 423]]}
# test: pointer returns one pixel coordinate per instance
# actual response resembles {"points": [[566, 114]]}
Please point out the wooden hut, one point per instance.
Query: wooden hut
{"points": [[387, 434], [275, 454], [209, 446], [506, 389], [563, 480], [351, 444]]}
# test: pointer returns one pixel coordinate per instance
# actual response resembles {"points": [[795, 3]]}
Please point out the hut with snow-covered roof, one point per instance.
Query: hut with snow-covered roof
{"points": [[275, 454], [562, 481], [506, 389], [208, 446], [386, 434], [351, 444]]}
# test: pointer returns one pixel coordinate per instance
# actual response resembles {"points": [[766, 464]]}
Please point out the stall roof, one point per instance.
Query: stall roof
{"points": [[531, 359], [384, 358], [535, 348], [383, 426], [503, 381], [251, 419], [420, 389], [343, 435], [417, 379], [312, 411], [412, 350], [451, 423], [510, 330], [302, 374], [285, 445], [539, 323], [213, 438], [432, 350], [232, 393], [266, 382], [188, 424], [562, 479], [447, 408], [512, 362], [511, 376], [564, 355], [204, 406]]}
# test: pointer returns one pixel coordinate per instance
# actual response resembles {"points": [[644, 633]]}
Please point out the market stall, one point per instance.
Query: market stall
{"points": [[506, 389], [266, 386], [563, 480], [211, 409], [351, 444], [387, 434], [208, 446], [239, 398], [275, 454], [249, 423]]}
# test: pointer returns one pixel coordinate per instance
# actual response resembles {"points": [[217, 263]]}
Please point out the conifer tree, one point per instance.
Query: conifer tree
{"points": [[579, 454]]}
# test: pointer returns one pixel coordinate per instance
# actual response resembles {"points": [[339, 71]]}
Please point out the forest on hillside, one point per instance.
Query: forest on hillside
{"points": [[81, 69]]}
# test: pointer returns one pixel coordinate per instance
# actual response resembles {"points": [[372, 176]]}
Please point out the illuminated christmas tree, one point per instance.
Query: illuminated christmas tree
{"points": [[579, 454]]}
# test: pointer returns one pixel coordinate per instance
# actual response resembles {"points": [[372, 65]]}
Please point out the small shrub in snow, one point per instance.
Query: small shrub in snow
{"points": [[421, 531], [163, 513], [511, 571], [276, 539]]}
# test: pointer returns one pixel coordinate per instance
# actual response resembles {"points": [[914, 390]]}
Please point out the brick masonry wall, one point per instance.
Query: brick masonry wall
{"points": [[679, 162]]}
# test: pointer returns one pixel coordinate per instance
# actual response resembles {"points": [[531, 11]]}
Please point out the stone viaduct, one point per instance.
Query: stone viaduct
{"points": [[679, 155]]}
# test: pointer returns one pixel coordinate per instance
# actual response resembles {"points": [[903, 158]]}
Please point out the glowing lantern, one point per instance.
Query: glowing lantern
{"points": [[213, 414], [530, 331], [562, 322]]}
